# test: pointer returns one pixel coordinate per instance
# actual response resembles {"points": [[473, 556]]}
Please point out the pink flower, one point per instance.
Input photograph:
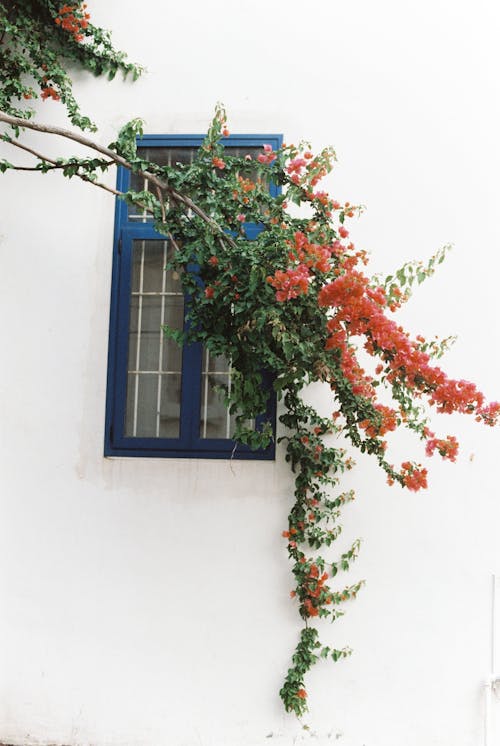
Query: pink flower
{"points": [[296, 165], [241, 217], [268, 156]]}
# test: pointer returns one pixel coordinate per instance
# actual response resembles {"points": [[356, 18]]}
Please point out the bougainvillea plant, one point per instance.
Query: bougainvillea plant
{"points": [[38, 38], [295, 304]]}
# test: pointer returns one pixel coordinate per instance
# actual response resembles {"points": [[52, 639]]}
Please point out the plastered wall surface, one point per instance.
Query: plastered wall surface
{"points": [[146, 602]]}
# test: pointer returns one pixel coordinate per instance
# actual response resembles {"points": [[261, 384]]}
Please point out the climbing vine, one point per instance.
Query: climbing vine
{"points": [[294, 305]]}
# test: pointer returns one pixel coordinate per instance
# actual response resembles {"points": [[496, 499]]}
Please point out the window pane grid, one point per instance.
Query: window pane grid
{"points": [[154, 367], [164, 399], [138, 344], [160, 351]]}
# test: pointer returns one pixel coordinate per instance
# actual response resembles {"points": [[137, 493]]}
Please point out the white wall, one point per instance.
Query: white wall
{"points": [[146, 601]]}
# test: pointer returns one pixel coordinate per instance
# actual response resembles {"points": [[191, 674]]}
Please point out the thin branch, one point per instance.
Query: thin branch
{"points": [[68, 134], [54, 164], [101, 185], [30, 168], [119, 160], [160, 200], [40, 157], [173, 241]]}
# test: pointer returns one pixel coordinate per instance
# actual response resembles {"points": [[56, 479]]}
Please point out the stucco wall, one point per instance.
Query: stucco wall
{"points": [[146, 601]]}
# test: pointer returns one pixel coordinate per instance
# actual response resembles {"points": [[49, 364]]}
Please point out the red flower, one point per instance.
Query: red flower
{"points": [[209, 292], [446, 448], [49, 92], [296, 165], [414, 477], [290, 284]]}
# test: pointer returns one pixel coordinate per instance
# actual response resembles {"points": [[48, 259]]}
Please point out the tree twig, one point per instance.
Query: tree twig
{"points": [[120, 161], [54, 165]]}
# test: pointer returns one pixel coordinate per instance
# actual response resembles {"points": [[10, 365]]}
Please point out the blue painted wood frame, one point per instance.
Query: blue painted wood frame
{"points": [[188, 444]]}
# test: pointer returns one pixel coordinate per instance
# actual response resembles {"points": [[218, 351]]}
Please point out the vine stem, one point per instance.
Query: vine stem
{"points": [[46, 159], [160, 184]]}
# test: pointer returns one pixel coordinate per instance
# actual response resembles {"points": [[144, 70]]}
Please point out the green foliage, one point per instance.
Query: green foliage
{"points": [[38, 38]]}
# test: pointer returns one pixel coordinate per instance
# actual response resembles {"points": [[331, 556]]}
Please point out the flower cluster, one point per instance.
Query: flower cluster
{"points": [[49, 91], [388, 422], [446, 447], [310, 254], [414, 476], [268, 156], [360, 311], [291, 283], [73, 19], [315, 593]]}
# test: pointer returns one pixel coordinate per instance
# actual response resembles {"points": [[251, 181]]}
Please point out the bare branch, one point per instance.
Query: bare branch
{"points": [[174, 242]]}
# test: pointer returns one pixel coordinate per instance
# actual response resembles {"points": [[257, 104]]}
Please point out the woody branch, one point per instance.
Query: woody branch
{"points": [[118, 160]]}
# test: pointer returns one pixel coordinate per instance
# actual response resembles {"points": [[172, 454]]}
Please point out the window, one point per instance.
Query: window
{"points": [[161, 399]]}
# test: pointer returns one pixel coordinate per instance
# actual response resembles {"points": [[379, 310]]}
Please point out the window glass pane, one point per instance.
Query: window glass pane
{"points": [[150, 334], [146, 413], [215, 420], [133, 333], [154, 362], [171, 156], [154, 266], [174, 318], [213, 364], [170, 403], [142, 396]]}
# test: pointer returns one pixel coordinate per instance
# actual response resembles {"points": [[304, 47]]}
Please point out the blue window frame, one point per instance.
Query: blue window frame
{"points": [[160, 401]]}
